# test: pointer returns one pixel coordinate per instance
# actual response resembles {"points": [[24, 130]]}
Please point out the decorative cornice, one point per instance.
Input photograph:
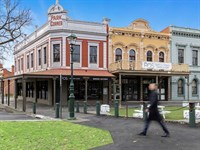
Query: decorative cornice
{"points": [[181, 44]]}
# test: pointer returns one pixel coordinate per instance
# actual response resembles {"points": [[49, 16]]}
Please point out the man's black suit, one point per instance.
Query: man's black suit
{"points": [[154, 112]]}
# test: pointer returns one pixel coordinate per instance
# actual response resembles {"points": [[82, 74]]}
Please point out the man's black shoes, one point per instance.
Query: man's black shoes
{"points": [[142, 134], [166, 135]]}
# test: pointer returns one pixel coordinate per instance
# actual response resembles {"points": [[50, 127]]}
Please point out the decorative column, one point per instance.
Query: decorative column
{"points": [[16, 93], [141, 88], [86, 88], [24, 94], [54, 92], [35, 91], [8, 92], [2, 91], [120, 90]]}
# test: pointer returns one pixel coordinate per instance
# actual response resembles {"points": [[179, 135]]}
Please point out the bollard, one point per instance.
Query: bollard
{"points": [[98, 108], [126, 110], [144, 111], [34, 108], [192, 122], [116, 108], [77, 107], [85, 107], [57, 110]]}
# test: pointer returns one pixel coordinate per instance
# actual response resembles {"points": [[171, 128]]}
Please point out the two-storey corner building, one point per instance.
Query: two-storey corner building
{"points": [[42, 57], [138, 56], [185, 48]]}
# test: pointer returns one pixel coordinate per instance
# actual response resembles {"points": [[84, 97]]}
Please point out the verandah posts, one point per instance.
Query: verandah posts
{"points": [[192, 122], [98, 108]]}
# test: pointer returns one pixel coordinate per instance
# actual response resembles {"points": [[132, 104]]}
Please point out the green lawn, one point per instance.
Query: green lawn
{"points": [[50, 135], [176, 112]]}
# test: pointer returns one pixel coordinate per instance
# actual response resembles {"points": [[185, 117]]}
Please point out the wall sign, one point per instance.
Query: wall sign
{"points": [[156, 66], [56, 20]]}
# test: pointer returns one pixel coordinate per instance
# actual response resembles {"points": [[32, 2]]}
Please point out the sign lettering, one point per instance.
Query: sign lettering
{"points": [[156, 66]]}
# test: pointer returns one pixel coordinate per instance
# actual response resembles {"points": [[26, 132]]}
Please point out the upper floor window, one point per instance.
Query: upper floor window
{"points": [[194, 57], [131, 55], [39, 57], [15, 66], [31, 60], [180, 56], [93, 54], [27, 62], [194, 86], [76, 54], [149, 56], [161, 57], [56, 52], [22, 64], [45, 55], [19, 65], [180, 87], [118, 54]]}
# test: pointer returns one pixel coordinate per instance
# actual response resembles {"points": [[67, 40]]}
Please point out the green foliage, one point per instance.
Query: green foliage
{"points": [[50, 135]]}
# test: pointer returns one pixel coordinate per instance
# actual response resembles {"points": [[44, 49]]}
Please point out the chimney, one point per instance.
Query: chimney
{"points": [[1, 65], [13, 69]]}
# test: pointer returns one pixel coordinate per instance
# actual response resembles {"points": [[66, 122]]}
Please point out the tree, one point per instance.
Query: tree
{"points": [[13, 19]]}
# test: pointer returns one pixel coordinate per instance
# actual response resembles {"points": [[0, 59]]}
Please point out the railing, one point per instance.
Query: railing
{"points": [[122, 65], [131, 65], [180, 67]]}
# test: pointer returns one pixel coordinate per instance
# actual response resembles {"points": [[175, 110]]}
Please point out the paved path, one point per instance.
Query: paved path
{"points": [[124, 133], [7, 114]]}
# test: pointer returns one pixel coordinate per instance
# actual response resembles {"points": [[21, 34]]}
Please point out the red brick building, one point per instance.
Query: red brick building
{"points": [[43, 56]]}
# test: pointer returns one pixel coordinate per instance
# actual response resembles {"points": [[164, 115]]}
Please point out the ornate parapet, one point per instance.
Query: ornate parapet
{"points": [[122, 65], [180, 67]]}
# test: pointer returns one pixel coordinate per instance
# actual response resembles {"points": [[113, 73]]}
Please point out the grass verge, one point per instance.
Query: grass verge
{"points": [[51, 135]]}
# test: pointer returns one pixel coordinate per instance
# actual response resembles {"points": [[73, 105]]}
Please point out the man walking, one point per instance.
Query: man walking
{"points": [[154, 112]]}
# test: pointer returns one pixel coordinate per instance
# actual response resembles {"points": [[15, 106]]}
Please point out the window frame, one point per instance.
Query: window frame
{"points": [[39, 57], [195, 59], [147, 57], [133, 56], [117, 56], [96, 55], [45, 55], [32, 60], [57, 60], [180, 87], [160, 58], [74, 54], [181, 58], [196, 87], [27, 62]]}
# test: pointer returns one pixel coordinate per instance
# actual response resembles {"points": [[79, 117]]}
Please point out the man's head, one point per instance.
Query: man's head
{"points": [[152, 86]]}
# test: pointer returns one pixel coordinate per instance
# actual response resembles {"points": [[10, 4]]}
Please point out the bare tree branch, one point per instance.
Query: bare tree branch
{"points": [[13, 19]]}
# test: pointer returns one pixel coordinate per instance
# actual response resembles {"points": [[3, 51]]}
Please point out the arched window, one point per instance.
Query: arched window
{"points": [[180, 87], [131, 55], [161, 57], [194, 86], [149, 56], [118, 54]]}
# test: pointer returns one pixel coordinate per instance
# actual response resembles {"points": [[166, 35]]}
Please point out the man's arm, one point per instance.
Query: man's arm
{"points": [[153, 100]]}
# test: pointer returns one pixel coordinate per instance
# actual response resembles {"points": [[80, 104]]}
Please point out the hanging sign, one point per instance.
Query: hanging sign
{"points": [[156, 65]]}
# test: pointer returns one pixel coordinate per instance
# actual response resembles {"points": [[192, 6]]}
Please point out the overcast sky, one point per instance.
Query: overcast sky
{"points": [[159, 13]]}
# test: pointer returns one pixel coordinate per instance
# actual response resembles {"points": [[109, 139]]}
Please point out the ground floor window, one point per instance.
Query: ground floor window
{"points": [[19, 89], [42, 89], [94, 90], [30, 89], [130, 89]]}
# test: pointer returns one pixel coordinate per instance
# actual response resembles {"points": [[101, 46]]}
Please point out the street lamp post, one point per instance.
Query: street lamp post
{"points": [[72, 40]]}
